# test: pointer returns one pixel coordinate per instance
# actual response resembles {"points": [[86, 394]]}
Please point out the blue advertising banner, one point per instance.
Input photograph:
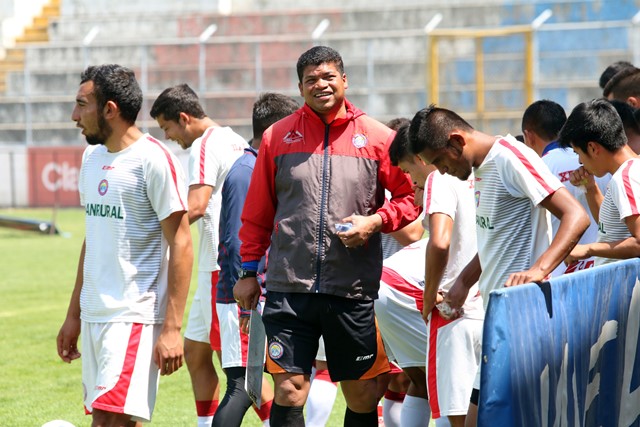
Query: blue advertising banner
{"points": [[565, 352]]}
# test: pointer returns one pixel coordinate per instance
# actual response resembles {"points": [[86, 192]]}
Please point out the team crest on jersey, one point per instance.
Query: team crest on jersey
{"points": [[477, 199], [359, 140], [103, 187], [292, 137], [275, 350]]}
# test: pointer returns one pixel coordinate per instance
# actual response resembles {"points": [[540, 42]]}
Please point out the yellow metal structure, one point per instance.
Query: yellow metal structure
{"points": [[434, 38]]}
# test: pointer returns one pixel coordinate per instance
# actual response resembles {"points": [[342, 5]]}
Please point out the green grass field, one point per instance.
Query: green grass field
{"points": [[36, 278]]}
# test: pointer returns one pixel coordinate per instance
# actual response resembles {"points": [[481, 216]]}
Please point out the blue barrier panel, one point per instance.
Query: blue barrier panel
{"points": [[564, 353]]}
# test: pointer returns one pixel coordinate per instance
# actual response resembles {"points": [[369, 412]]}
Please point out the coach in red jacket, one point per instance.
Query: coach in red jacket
{"points": [[325, 164]]}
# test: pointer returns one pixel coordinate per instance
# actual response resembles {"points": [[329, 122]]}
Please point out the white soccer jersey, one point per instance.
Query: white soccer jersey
{"points": [[561, 162], [210, 159], [620, 201], [126, 195], [448, 195], [513, 230]]}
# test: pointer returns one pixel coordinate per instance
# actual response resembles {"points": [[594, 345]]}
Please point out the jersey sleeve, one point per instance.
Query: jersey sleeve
{"points": [[204, 165], [524, 174], [626, 190], [164, 180], [440, 195]]}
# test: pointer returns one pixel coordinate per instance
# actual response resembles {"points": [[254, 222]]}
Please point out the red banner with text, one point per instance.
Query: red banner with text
{"points": [[53, 176]]}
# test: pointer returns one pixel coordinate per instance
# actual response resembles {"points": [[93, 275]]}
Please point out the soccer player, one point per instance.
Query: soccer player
{"points": [[510, 183], [135, 264], [325, 164], [268, 109], [213, 150], [454, 342], [595, 132], [541, 124]]}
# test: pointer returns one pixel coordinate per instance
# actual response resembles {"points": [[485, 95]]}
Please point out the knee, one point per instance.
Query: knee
{"points": [[292, 390], [361, 395]]}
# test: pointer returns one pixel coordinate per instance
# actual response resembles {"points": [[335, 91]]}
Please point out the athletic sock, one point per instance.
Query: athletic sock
{"points": [[205, 410], [415, 412], [356, 419], [392, 408], [264, 412], [322, 395], [289, 416]]}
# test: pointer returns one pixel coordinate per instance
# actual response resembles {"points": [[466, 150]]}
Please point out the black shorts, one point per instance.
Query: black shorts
{"points": [[295, 321]]}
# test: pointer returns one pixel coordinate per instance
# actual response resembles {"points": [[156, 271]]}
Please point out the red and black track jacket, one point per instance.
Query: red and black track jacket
{"points": [[308, 177]]}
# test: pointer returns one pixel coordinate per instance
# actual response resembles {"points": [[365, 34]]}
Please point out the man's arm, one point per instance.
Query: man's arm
{"points": [[70, 331], [168, 351], [581, 177], [621, 249], [459, 291], [436, 258], [410, 233], [573, 223], [198, 200]]}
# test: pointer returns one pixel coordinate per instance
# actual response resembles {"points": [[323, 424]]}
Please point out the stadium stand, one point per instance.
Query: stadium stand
{"points": [[255, 48]]}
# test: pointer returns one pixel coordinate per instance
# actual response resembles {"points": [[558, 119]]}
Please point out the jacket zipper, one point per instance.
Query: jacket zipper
{"points": [[323, 196]]}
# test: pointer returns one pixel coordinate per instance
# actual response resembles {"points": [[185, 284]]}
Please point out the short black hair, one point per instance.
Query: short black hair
{"points": [[399, 149], [623, 84], [113, 82], [268, 109], [318, 55], [545, 118], [431, 126], [597, 121], [175, 100], [628, 116], [612, 70]]}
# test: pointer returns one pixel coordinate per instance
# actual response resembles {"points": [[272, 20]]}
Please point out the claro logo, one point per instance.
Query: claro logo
{"points": [[60, 176]]}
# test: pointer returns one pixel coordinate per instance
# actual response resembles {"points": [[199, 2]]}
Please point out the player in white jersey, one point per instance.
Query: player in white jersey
{"points": [[135, 264], [510, 182], [213, 150], [541, 124], [595, 132], [453, 342]]}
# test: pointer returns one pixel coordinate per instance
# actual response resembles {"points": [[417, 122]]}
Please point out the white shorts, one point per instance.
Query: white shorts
{"points": [[401, 325], [321, 355], [234, 342], [118, 371], [453, 356], [199, 326]]}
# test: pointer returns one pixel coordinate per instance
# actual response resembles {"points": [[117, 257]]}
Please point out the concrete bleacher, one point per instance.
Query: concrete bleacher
{"points": [[382, 43]]}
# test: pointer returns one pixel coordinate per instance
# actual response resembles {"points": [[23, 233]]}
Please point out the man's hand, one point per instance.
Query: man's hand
{"points": [[582, 177], [430, 302], [68, 340], [457, 294], [247, 293], [168, 352], [522, 277], [363, 228], [244, 324], [577, 253]]}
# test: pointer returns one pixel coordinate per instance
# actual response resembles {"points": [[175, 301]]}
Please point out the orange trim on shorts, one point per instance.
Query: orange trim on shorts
{"points": [[273, 367], [381, 365]]}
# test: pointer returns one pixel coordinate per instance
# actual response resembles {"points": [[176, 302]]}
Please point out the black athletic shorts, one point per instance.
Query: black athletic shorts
{"points": [[295, 321]]}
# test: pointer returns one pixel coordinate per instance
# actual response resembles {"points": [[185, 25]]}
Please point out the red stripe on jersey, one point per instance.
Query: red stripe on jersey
{"points": [[628, 190], [435, 323], [203, 145], [429, 193], [397, 282], [114, 399], [244, 343], [174, 176], [527, 165]]}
